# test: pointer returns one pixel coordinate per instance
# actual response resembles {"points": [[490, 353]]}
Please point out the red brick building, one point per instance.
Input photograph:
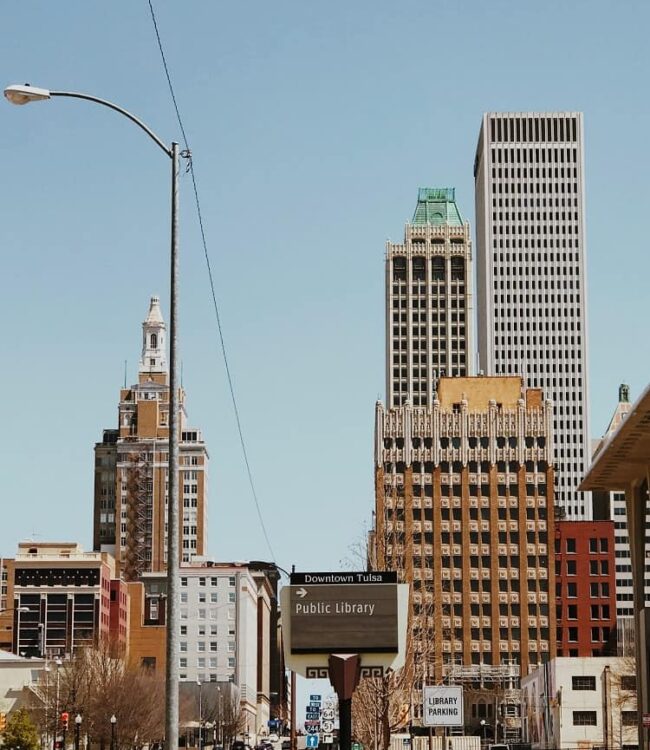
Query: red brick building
{"points": [[585, 588]]}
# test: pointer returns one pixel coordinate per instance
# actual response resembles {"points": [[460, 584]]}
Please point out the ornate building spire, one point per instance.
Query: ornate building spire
{"points": [[154, 343]]}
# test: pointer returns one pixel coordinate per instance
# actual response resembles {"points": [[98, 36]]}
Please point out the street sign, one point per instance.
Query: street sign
{"points": [[315, 705], [327, 713], [442, 706], [355, 613], [377, 631], [312, 740], [315, 698], [328, 739], [327, 726], [312, 715]]}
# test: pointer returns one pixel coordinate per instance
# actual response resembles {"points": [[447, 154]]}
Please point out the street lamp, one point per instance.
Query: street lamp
{"points": [[113, 723], [25, 94], [77, 730]]}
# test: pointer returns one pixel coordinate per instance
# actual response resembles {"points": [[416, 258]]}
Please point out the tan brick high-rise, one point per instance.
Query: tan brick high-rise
{"points": [[131, 468], [464, 510]]}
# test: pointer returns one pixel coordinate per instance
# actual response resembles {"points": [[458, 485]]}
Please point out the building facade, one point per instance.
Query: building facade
{"points": [[464, 512], [585, 588], [429, 305], [224, 633], [587, 702], [131, 469], [531, 283], [62, 600]]}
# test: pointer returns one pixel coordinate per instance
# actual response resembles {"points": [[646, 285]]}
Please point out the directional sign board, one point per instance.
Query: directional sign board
{"points": [[343, 613], [442, 706], [363, 613], [328, 739], [312, 740]]}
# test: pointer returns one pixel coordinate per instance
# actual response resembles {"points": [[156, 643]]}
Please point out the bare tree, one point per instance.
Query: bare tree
{"points": [[96, 684]]}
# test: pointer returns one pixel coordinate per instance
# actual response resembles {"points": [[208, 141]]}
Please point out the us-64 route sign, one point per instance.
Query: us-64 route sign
{"points": [[343, 613]]}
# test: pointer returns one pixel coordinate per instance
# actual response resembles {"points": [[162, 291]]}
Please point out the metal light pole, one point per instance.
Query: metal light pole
{"points": [[24, 95], [77, 730], [113, 723], [58, 663]]}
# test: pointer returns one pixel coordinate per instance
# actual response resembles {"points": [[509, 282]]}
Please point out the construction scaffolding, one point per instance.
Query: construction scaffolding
{"points": [[503, 683], [139, 491]]}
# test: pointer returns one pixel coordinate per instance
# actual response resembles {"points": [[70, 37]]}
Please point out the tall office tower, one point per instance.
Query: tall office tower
{"points": [[464, 512], [131, 469], [428, 300], [531, 284]]}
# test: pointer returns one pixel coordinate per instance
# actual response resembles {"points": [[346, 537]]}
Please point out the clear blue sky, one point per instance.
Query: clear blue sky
{"points": [[312, 126]]}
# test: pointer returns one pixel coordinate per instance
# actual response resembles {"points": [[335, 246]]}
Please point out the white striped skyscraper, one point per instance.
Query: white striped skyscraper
{"points": [[531, 283]]}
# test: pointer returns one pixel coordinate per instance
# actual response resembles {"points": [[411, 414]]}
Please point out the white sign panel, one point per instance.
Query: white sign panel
{"points": [[442, 706]]}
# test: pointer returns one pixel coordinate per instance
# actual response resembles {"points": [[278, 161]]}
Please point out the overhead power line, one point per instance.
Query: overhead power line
{"points": [[197, 202]]}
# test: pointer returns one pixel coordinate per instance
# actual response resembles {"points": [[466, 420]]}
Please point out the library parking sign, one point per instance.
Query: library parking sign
{"points": [[442, 706]]}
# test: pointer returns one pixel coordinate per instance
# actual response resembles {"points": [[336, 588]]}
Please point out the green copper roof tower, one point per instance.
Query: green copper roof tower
{"points": [[429, 303], [437, 206]]}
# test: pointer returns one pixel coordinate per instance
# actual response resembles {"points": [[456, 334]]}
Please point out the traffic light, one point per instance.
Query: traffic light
{"points": [[65, 718], [3, 722]]}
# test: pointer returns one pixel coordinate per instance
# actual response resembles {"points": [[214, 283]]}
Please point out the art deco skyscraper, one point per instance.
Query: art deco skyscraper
{"points": [[428, 300], [131, 469], [531, 287]]}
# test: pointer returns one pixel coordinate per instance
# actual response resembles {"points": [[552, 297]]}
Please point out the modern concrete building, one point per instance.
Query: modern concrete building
{"points": [[224, 634], [623, 465], [531, 283], [464, 512], [581, 703], [61, 600], [131, 469], [585, 588], [429, 305]]}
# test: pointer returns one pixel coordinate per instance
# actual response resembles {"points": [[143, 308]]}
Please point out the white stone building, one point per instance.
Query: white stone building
{"points": [[223, 608], [531, 283], [581, 703]]}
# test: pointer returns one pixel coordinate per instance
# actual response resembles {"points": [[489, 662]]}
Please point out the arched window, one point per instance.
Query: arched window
{"points": [[154, 341]]}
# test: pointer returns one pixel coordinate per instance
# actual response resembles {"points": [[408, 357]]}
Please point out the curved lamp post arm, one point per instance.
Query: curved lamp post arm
{"points": [[25, 94], [121, 110]]}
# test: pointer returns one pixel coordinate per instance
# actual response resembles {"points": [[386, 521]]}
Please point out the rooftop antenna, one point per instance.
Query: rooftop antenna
{"points": [[181, 373], [125, 374]]}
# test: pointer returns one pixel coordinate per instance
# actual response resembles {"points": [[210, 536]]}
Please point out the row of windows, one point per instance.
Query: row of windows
{"points": [[596, 590], [597, 612], [532, 129], [213, 580], [202, 663], [524, 228], [535, 187]]}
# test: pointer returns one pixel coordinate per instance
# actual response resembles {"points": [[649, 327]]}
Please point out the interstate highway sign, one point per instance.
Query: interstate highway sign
{"points": [[343, 613]]}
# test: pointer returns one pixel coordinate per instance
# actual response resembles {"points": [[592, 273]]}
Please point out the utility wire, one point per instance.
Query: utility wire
{"points": [[190, 169]]}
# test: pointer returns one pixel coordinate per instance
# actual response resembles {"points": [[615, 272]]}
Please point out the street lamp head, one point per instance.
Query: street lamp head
{"points": [[78, 719], [22, 609], [113, 719], [25, 94]]}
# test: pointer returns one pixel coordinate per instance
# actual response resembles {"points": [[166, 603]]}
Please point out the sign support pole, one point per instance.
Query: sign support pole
{"points": [[344, 672]]}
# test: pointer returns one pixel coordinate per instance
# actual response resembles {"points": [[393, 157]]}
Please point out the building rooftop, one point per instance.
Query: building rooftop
{"points": [[437, 206]]}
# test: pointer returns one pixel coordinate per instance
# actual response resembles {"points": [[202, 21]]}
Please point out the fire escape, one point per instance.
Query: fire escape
{"points": [[139, 489]]}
